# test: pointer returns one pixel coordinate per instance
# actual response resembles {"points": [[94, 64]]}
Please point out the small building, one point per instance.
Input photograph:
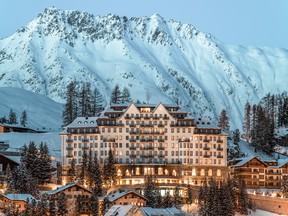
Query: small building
{"points": [[17, 200], [6, 128], [72, 191], [127, 198], [258, 173], [148, 211]]}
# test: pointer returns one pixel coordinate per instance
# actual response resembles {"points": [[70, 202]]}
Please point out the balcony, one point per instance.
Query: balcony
{"points": [[146, 117], [127, 117], [219, 141], [156, 117], [108, 140], [161, 140], [132, 147], [161, 155], [137, 117], [161, 148], [206, 148], [69, 140], [165, 117], [132, 155], [161, 125], [206, 140], [132, 140], [85, 147], [147, 148], [120, 124], [85, 140], [184, 140], [132, 125], [206, 156], [146, 125], [146, 140], [134, 132], [219, 149], [69, 156], [219, 156], [69, 148]]}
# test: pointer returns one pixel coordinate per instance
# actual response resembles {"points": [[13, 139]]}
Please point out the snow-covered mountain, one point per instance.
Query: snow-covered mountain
{"points": [[156, 59], [42, 112]]}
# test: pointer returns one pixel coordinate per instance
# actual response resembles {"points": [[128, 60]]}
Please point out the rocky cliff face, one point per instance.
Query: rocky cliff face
{"points": [[157, 60]]}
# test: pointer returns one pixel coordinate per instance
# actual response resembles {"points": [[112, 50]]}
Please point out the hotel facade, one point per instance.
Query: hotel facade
{"points": [[146, 139]]}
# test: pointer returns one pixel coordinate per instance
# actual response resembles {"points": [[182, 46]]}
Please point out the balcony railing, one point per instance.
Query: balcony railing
{"points": [[133, 155], [219, 149], [219, 141], [85, 140], [206, 156], [132, 125], [134, 132], [132, 147], [132, 140], [127, 117], [69, 156], [147, 148], [108, 140], [161, 155], [146, 140], [206, 140], [206, 148], [69, 140], [165, 117], [161, 140], [161, 125], [184, 140], [69, 148], [219, 156], [161, 147], [85, 147]]}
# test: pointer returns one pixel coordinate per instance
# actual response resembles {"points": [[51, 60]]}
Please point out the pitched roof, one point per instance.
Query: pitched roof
{"points": [[22, 197], [119, 210], [148, 211], [83, 122], [63, 188], [242, 161], [118, 195], [16, 159]]}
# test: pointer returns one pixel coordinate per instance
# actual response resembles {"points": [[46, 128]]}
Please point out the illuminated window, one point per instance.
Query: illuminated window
{"points": [[193, 172], [166, 172], [210, 172], [174, 173], [137, 171], [127, 173], [218, 172], [160, 171], [119, 172], [202, 172]]}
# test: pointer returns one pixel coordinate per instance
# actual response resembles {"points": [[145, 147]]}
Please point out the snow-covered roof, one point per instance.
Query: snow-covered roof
{"points": [[204, 123], [118, 195], [242, 161], [148, 211], [83, 122], [282, 162], [119, 210], [63, 188], [22, 197]]}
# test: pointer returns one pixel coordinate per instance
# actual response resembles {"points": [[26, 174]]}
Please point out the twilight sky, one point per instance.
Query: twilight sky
{"points": [[245, 22]]}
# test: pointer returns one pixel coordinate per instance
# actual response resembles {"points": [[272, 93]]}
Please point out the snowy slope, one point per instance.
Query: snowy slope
{"points": [[151, 56], [42, 112]]}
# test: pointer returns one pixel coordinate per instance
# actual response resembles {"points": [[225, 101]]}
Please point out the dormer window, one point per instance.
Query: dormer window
{"points": [[85, 122], [79, 122], [91, 122]]}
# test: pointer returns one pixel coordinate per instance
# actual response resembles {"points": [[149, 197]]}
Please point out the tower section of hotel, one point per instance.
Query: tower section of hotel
{"points": [[160, 140]]}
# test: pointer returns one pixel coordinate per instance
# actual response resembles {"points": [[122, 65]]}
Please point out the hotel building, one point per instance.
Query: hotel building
{"points": [[161, 140]]}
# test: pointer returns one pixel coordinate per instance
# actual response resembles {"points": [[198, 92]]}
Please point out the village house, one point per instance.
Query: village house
{"points": [[15, 200], [127, 198]]}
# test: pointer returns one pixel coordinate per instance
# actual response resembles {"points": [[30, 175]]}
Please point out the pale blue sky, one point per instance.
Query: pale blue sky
{"points": [[245, 22]]}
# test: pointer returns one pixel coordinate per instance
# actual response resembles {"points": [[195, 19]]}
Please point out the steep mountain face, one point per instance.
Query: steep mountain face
{"points": [[157, 60]]}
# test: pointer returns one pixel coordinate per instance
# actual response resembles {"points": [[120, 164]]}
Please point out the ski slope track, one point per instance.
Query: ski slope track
{"points": [[158, 60]]}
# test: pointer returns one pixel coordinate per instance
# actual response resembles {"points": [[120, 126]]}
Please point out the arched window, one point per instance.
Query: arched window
{"points": [[166, 172], [160, 171], [218, 172], [127, 173], [193, 172], [119, 172], [174, 173], [210, 173], [202, 172]]}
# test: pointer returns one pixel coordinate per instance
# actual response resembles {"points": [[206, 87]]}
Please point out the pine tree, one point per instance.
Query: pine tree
{"points": [[62, 208], [149, 190], [176, 197], [189, 194], [105, 205], [243, 199], [284, 186], [97, 178], [12, 117], [23, 120], [79, 204], [44, 171], [116, 95], [167, 200], [97, 103], [30, 159], [94, 205], [126, 96], [83, 173], [203, 200], [247, 121], [71, 172], [110, 169], [28, 208], [70, 106], [90, 169], [52, 206], [42, 206], [224, 121]]}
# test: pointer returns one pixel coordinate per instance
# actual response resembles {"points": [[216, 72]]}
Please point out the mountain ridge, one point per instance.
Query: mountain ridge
{"points": [[157, 60]]}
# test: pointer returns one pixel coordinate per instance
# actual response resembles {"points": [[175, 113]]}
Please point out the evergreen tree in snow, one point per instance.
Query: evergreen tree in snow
{"points": [[150, 190], [85, 100], [70, 106], [105, 205], [94, 205], [79, 204], [97, 103], [247, 121], [284, 186], [116, 95], [12, 117], [52, 206], [83, 174], [62, 207], [42, 206], [189, 194], [71, 172], [126, 96], [167, 201], [97, 178], [224, 121], [243, 199], [23, 119], [202, 200], [44, 171], [176, 197], [110, 169], [90, 169]]}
